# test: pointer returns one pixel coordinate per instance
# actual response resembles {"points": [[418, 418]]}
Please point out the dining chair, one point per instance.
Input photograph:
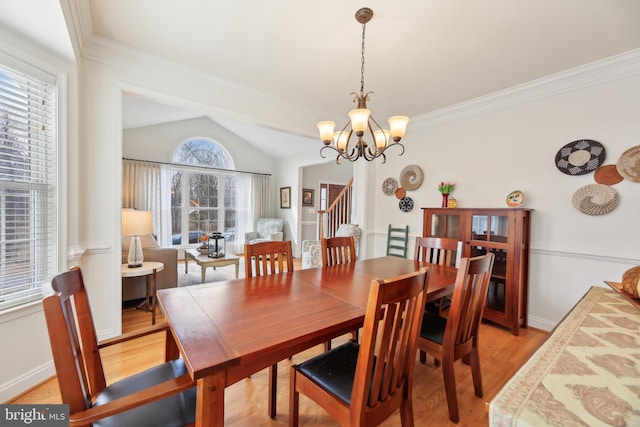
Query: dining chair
{"points": [[265, 258], [363, 384], [163, 395], [338, 250], [335, 251], [261, 259], [456, 336], [397, 241], [438, 250]]}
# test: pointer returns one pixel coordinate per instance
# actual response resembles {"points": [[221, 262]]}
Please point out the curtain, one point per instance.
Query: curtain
{"points": [[145, 186], [255, 203]]}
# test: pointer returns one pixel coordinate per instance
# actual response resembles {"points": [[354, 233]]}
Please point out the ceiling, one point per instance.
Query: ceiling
{"points": [[420, 55]]}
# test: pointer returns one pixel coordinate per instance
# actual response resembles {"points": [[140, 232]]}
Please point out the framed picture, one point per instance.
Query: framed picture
{"points": [[307, 197], [285, 197]]}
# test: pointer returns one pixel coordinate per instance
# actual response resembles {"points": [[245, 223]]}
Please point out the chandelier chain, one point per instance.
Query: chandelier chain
{"points": [[364, 26]]}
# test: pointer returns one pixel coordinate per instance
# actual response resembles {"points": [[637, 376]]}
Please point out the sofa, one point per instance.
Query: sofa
{"points": [[312, 249], [135, 287], [267, 229]]}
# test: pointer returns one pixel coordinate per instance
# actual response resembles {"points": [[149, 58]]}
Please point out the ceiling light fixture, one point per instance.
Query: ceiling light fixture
{"points": [[361, 120]]}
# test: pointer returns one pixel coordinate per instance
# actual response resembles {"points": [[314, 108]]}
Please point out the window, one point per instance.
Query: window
{"points": [[202, 201], [28, 220]]}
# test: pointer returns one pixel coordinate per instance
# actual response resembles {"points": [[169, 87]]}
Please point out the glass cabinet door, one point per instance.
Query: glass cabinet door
{"points": [[494, 230], [446, 225]]}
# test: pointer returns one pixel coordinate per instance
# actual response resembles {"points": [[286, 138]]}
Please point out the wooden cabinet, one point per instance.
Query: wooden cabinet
{"points": [[506, 233]]}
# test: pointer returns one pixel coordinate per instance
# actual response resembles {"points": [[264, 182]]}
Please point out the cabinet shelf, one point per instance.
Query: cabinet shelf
{"points": [[506, 233]]}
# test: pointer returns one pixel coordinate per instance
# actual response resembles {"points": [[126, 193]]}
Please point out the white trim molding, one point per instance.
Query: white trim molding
{"points": [[613, 68]]}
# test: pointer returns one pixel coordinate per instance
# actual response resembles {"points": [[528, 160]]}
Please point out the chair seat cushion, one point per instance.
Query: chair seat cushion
{"points": [[176, 410], [334, 370], [433, 327]]}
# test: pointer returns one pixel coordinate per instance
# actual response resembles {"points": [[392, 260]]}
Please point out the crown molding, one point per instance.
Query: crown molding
{"points": [[609, 69]]}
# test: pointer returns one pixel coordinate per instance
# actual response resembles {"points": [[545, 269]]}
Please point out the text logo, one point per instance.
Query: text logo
{"points": [[34, 415]]}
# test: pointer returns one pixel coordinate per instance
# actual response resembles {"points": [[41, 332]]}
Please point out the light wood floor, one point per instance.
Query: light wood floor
{"points": [[245, 402]]}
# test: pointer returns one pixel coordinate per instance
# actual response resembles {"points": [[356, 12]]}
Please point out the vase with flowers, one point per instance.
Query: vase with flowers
{"points": [[204, 244], [445, 188]]}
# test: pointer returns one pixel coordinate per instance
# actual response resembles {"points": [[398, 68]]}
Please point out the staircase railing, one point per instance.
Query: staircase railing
{"points": [[339, 212]]}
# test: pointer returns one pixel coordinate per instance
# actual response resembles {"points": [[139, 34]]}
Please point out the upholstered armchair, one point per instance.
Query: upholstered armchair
{"points": [[312, 249], [267, 229]]}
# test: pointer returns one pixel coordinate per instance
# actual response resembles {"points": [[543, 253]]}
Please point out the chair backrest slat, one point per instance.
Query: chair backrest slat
{"points": [[74, 342], [468, 299], [438, 250], [264, 258], [338, 250], [389, 341]]}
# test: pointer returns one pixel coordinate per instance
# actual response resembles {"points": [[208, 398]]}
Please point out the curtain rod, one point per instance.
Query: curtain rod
{"points": [[184, 165]]}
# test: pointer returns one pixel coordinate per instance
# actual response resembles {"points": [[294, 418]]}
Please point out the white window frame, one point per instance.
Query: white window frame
{"points": [[43, 257], [185, 193]]}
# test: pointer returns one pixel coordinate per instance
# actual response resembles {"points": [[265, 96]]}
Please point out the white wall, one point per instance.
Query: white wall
{"points": [[158, 142]]}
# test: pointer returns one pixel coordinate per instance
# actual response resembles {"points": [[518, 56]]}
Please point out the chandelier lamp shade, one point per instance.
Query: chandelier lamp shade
{"points": [[350, 142]]}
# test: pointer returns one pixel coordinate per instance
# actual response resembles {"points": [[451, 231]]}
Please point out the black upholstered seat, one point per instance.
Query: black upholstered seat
{"points": [[433, 327], [334, 370], [176, 410]]}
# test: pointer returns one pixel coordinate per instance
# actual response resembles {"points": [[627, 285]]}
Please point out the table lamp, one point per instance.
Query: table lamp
{"points": [[136, 223]]}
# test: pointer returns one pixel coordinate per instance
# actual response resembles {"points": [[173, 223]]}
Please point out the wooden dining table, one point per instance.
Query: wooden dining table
{"points": [[229, 330]]}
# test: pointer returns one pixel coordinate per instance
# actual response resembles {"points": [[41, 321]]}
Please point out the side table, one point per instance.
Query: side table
{"points": [[148, 269]]}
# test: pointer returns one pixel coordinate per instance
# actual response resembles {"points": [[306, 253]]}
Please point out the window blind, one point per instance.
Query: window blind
{"points": [[28, 184]]}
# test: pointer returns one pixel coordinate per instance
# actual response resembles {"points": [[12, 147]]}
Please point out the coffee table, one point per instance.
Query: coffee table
{"points": [[204, 261]]}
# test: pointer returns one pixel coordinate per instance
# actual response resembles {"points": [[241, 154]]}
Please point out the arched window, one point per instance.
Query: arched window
{"points": [[202, 197]]}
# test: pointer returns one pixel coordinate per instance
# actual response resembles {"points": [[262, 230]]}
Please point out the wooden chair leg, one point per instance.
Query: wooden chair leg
{"points": [[474, 360], [294, 399], [423, 357], [406, 410], [327, 346], [273, 389], [450, 388]]}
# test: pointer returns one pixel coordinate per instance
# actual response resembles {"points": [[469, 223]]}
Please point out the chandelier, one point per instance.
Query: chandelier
{"points": [[361, 121]]}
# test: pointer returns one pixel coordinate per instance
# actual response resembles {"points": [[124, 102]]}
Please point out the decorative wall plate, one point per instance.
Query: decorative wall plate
{"points": [[595, 199], [400, 193], [580, 157], [389, 186], [629, 164], [515, 199], [406, 204], [411, 177], [607, 175]]}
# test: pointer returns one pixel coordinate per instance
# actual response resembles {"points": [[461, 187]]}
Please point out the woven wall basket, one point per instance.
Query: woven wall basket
{"points": [[595, 199]]}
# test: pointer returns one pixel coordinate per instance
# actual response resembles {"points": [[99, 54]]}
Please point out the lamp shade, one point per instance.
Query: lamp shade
{"points": [[381, 136], [359, 120], [326, 130], [398, 126], [136, 223], [341, 140]]}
